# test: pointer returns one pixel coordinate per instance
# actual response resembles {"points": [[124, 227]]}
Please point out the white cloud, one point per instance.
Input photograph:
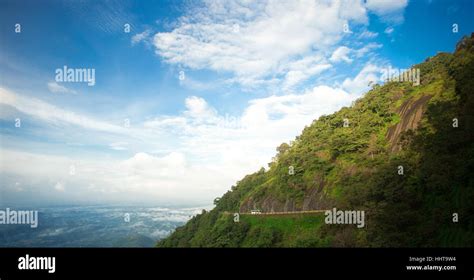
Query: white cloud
{"points": [[368, 48], [197, 108], [389, 30], [139, 37], [52, 114], [165, 122], [300, 70], [271, 34], [143, 177], [287, 115], [57, 88], [360, 83], [209, 152], [389, 10], [253, 42], [341, 54], [383, 7], [366, 34], [199, 153], [171, 165], [248, 141]]}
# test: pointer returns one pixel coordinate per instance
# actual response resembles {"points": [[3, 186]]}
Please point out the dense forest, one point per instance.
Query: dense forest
{"points": [[403, 153]]}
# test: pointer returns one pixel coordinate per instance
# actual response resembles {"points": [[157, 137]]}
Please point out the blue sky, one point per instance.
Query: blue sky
{"points": [[253, 74]]}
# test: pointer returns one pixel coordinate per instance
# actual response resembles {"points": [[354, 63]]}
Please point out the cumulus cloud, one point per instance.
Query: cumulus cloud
{"points": [[290, 113], [383, 7], [300, 70], [269, 34], [248, 141], [210, 152], [197, 108], [360, 83], [199, 152], [389, 10], [253, 42]]}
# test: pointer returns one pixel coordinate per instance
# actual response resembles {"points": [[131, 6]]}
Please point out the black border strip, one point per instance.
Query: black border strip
{"points": [[89, 263]]}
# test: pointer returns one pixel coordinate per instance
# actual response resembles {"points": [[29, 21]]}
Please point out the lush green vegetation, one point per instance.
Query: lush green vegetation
{"points": [[252, 231], [356, 167]]}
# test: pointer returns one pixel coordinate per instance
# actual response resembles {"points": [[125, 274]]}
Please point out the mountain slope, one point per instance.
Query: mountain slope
{"points": [[394, 126]]}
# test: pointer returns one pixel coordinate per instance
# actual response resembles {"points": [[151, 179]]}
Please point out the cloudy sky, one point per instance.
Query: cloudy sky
{"points": [[188, 96]]}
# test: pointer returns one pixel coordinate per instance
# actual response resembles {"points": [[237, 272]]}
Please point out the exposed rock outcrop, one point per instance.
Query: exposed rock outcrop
{"points": [[314, 199], [410, 113]]}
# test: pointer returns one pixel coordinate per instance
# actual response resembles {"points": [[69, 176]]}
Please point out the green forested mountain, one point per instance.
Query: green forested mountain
{"points": [[426, 130]]}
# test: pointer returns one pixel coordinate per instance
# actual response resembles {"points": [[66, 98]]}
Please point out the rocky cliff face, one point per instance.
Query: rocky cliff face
{"points": [[410, 113], [314, 199]]}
